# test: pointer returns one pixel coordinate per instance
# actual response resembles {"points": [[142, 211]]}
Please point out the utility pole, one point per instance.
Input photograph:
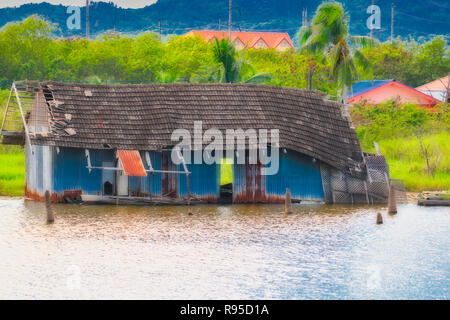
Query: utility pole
{"points": [[87, 18], [159, 23], [230, 7], [220, 24], [392, 23], [305, 17], [371, 29]]}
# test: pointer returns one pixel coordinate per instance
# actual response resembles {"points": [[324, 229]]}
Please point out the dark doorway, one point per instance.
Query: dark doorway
{"points": [[226, 181]]}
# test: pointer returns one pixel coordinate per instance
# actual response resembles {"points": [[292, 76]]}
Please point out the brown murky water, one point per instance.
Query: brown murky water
{"points": [[254, 251]]}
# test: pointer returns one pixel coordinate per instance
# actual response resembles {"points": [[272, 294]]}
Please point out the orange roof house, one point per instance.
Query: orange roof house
{"points": [[438, 89], [257, 40], [392, 90]]}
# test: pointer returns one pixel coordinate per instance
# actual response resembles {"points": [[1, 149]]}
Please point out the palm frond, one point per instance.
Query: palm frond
{"points": [[363, 41], [260, 78], [362, 61]]}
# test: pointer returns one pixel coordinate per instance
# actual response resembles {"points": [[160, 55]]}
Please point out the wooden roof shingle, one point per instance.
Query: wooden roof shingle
{"points": [[143, 117]]}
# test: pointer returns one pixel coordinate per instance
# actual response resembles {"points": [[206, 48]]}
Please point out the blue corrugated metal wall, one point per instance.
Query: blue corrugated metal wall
{"points": [[70, 172], [141, 185], [299, 173], [204, 181]]}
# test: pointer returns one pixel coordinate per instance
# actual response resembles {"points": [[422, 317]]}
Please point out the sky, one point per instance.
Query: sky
{"points": [[120, 3]]}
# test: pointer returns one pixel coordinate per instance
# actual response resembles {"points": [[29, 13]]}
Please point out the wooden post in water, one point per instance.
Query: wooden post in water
{"points": [[50, 216], [288, 202], [379, 218], [392, 201]]}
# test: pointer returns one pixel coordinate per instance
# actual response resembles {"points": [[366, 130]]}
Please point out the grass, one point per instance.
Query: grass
{"points": [[406, 161], [12, 162], [226, 172], [12, 171]]}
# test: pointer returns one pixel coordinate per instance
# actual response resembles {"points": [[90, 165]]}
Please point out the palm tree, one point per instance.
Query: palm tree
{"points": [[328, 35], [229, 67]]}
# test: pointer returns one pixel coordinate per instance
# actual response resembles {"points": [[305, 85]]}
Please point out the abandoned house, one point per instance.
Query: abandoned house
{"points": [[112, 143]]}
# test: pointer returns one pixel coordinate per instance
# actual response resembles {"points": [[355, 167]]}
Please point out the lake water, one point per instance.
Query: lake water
{"points": [[223, 252]]}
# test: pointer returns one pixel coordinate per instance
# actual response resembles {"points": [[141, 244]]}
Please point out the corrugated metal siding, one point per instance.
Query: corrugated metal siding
{"points": [[248, 183], [132, 163], [204, 181], [38, 171], [71, 174], [169, 180], [299, 173]]}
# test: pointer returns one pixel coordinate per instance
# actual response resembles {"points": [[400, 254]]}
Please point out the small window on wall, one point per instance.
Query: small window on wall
{"points": [[284, 45], [261, 44], [238, 44]]}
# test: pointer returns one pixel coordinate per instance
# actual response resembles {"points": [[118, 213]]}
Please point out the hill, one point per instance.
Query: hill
{"points": [[180, 16]]}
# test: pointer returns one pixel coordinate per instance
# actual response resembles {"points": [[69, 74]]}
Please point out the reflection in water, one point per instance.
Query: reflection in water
{"points": [[245, 251]]}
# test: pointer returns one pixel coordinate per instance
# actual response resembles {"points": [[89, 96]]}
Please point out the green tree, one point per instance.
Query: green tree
{"points": [[328, 35], [24, 49], [229, 66]]}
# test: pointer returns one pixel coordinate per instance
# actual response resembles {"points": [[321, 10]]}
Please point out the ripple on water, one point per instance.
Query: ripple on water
{"points": [[245, 251]]}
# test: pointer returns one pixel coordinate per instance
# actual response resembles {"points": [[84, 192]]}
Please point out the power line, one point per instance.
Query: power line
{"points": [[421, 18], [229, 18], [87, 18], [392, 22]]}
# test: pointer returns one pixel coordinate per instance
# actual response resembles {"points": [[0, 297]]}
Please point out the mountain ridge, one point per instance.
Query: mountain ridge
{"points": [[181, 16]]}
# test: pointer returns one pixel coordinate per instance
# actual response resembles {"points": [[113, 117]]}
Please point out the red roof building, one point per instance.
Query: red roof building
{"points": [[256, 40], [393, 90], [438, 88]]}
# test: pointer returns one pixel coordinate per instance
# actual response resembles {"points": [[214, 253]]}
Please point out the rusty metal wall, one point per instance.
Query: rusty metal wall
{"points": [[249, 186], [299, 173]]}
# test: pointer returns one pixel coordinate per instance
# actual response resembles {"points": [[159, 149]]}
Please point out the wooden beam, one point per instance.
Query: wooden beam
{"points": [[149, 162], [7, 106], [119, 169], [27, 133]]}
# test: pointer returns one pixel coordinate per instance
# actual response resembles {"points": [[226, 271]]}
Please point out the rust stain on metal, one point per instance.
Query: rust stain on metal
{"points": [[169, 180], [132, 163], [254, 189], [55, 197]]}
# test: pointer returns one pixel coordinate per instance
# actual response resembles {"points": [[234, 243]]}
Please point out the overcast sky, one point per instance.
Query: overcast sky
{"points": [[120, 3]]}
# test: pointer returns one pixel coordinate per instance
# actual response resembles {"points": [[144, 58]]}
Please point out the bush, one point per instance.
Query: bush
{"points": [[391, 119]]}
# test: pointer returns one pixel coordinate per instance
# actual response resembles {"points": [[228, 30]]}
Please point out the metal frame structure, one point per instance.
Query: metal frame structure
{"points": [[22, 108]]}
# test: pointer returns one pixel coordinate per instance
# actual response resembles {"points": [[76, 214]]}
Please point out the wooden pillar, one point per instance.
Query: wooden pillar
{"points": [[379, 218], [50, 216], [392, 201], [288, 202]]}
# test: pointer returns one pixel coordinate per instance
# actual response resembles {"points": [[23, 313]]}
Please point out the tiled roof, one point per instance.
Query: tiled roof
{"points": [[272, 39], [143, 117]]}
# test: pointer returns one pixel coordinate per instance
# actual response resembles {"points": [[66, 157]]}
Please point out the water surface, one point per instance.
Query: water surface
{"points": [[223, 252]]}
